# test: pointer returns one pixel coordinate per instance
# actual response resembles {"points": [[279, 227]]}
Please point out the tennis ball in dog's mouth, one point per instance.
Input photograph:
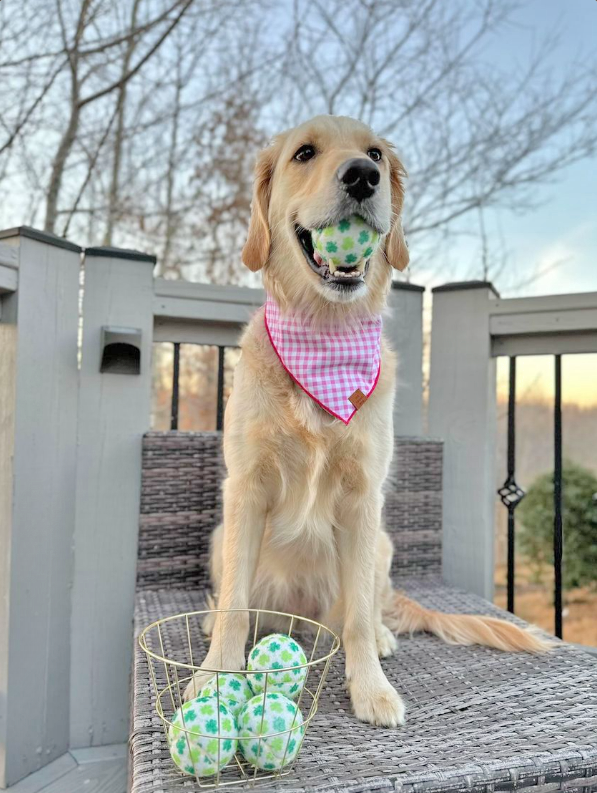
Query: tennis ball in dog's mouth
{"points": [[283, 659], [348, 243], [202, 732], [279, 719]]}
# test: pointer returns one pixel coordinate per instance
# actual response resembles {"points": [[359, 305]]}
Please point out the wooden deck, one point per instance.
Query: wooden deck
{"points": [[98, 770]]}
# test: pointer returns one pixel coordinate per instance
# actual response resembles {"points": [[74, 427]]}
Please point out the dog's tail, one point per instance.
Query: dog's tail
{"points": [[407, 616]]}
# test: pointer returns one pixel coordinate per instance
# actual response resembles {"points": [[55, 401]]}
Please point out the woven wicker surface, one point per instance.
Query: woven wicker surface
{"points": [[477, 719], [179, 511]]}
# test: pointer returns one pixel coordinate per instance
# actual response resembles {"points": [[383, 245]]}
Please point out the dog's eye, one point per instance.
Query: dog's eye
{"points": [[305, 153], [375, 154]]}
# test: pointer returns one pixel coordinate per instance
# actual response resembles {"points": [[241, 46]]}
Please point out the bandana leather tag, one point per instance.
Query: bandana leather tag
{"points": [[337, 368]]}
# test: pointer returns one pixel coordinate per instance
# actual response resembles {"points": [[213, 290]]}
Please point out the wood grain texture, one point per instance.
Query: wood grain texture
{"points": [[205, 302], [107, 776], [403, 327], [114, 412], [203, 332], [8, 357], [99, 772], [531, 322], [9, 273], [9, 256], [9, 278], [521, 305], [212, 293], [51, 774], [462, 411], [37, 547], [545, 344], [94, 754]]}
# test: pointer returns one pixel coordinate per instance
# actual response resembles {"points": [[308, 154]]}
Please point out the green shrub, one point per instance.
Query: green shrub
{"points": [[579, 513]]}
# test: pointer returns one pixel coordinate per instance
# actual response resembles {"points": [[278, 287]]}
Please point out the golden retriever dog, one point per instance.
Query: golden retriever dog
{"points": [[302, 528]]}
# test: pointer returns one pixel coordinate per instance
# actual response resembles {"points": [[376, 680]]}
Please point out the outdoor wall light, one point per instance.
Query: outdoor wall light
{"points": [[120, 350]]}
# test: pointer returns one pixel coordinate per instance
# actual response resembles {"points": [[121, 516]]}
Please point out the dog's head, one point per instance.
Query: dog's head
{"points": [[313, 176]]}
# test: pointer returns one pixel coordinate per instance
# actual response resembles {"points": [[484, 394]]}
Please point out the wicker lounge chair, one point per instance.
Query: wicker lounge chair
{"points": [[478, 719]]}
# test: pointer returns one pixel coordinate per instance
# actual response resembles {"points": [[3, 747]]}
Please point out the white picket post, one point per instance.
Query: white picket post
{"points": [[114, 412], [38, 416], [462, 412]]}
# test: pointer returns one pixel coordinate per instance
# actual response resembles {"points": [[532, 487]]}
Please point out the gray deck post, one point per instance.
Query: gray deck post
{"points": [[462, 411], [38, 416], [403, 326], [114, 412]]}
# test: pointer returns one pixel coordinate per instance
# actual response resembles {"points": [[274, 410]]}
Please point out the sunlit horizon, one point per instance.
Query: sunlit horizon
{"points": [[535, 379]]}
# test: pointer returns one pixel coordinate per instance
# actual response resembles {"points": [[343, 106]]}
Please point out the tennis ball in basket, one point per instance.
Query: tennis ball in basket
{"points": [[277, 651], [234, 690], [264, 715], [196, 751], [350, 241]]}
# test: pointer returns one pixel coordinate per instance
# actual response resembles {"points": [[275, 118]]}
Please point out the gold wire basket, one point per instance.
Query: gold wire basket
{"points": [[175, 646]]}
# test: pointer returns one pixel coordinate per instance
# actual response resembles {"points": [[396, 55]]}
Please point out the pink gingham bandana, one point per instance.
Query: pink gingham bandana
{"points": [[337, 367]]}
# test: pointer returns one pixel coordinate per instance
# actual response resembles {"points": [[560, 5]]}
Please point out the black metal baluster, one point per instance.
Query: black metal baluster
{"points": [[220, 402], [558, 542], [175, 387], [510, 493]]}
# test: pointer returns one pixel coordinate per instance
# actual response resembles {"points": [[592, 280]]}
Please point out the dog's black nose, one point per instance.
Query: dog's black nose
{"points": [[359, 177]]}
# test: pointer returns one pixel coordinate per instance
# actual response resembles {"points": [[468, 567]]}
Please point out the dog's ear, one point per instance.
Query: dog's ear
{"points": [[396, 249], [256, 249]]}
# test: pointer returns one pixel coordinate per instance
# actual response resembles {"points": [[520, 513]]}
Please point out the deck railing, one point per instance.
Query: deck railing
{"points": [[175, 386], [71, 426], [471, 327], [72, 417], [205, 315], [511, 493]]}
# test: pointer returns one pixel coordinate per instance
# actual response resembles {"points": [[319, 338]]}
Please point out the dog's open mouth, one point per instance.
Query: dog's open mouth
{"points": [[347, 277]]}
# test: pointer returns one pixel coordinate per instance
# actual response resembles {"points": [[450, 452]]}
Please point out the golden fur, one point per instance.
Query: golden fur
{"points": [[303, 497]]}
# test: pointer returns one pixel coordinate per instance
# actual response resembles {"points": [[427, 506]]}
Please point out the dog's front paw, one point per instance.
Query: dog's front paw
{"points": [[386, 642], [380, 705], [195, 684]]}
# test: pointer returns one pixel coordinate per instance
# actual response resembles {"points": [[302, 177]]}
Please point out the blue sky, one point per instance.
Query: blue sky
{"points": [[564, 227]]}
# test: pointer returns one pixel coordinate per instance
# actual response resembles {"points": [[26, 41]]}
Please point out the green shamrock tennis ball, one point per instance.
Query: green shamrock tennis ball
{"points": [[196, 732], [349, 242], [279, 719], [277, 652], [234, 690]]}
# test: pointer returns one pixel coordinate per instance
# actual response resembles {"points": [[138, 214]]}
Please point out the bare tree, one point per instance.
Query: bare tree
{"points": [[471, 138], [137, 123], [114, 191], [83, 66], [179, 190]]}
